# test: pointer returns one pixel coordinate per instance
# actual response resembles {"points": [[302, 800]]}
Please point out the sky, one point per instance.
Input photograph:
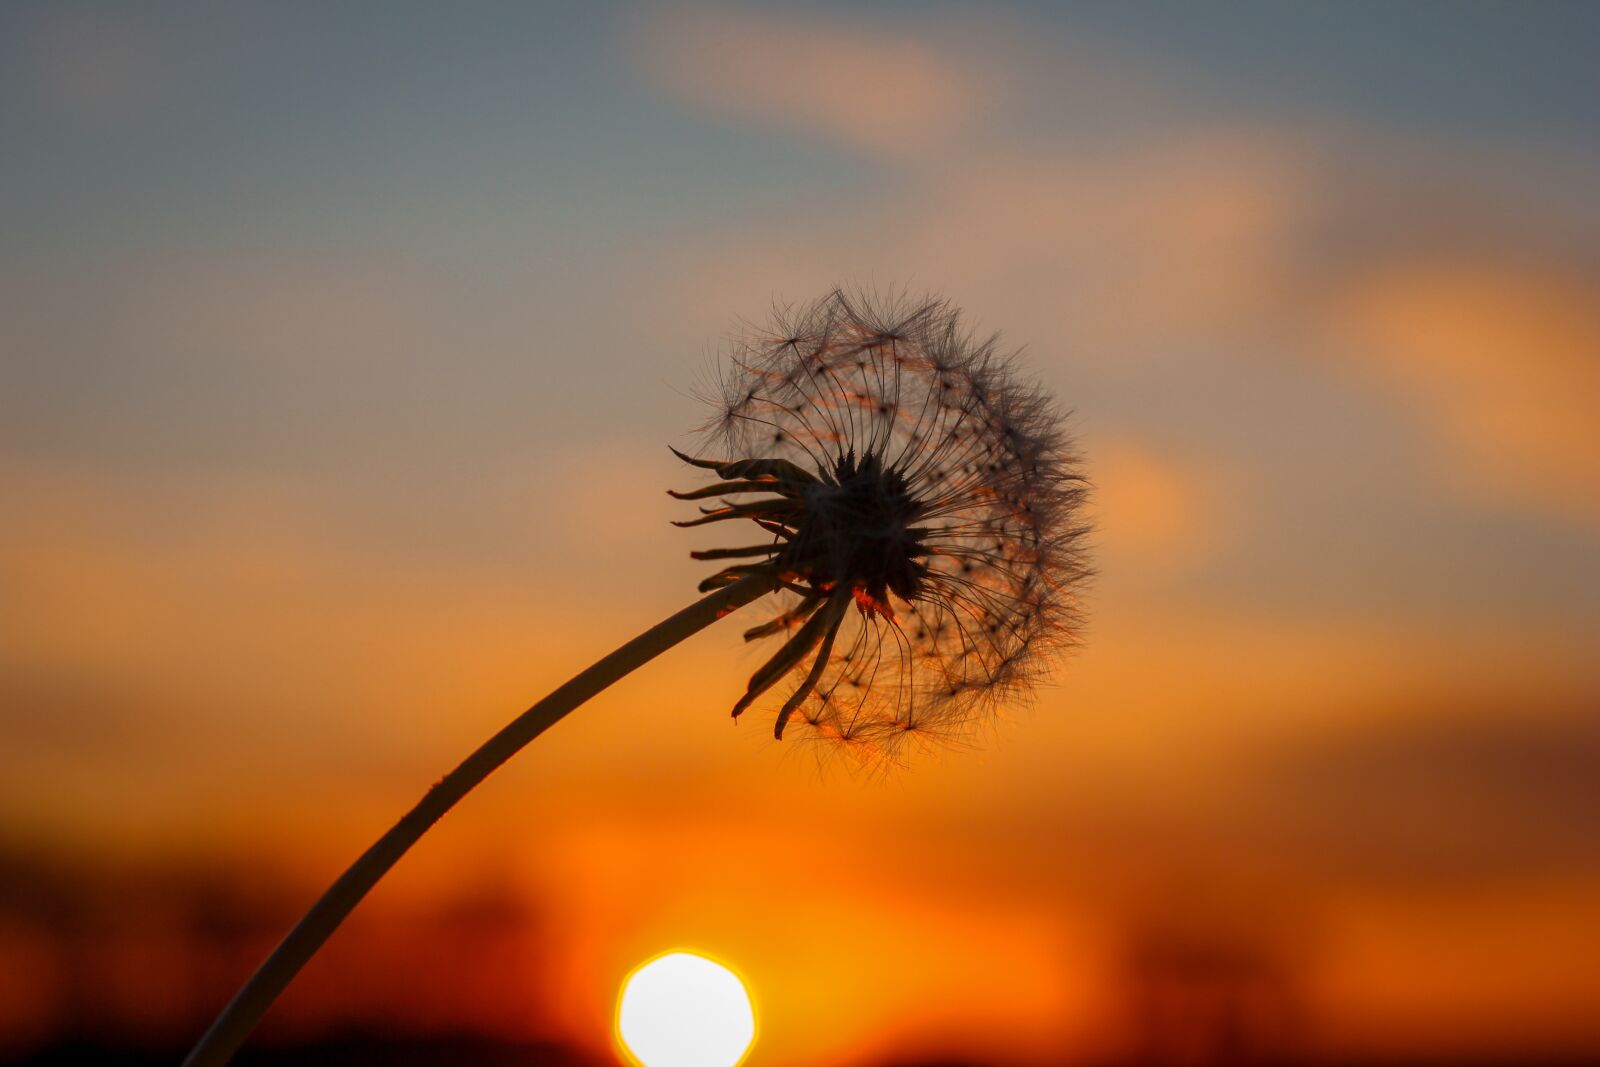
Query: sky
{"points": [[340, 351]]}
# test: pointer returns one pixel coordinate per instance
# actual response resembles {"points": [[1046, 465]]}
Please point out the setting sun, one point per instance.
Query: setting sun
{"points": [[683, 1010]]}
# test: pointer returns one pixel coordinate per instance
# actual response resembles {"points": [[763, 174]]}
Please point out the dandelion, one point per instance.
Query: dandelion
{"points": [[916, 507], [892, 464]]}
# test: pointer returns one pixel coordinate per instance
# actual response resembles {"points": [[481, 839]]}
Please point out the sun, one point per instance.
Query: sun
{"points": [[683, 1010]]}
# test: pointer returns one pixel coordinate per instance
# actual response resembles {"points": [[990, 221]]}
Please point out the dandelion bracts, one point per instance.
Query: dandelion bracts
{"points": [[916, 509]]}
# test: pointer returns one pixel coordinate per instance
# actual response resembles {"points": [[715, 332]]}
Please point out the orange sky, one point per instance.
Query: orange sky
{"points": [[308, 488]]}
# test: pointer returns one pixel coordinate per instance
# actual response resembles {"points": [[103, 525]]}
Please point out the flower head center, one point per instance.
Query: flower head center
{"points": [[858, 532]]}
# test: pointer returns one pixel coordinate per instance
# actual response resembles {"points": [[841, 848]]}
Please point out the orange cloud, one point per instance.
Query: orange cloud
{"points": [[1502, 360], [1150, 508], [882, 92], [160, 616]]}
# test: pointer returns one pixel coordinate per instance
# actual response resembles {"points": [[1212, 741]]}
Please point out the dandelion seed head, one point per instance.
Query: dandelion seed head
{"points": [[918, 506]]}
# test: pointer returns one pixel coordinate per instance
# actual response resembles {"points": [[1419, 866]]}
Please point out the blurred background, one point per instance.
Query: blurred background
{"points": [[340, 350]]}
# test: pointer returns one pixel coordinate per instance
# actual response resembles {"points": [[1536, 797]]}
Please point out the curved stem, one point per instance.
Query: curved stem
{"points": [[257, 995]]}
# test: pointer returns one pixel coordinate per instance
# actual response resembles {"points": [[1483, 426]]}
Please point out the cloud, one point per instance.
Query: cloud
{"points": [[1152, 509], [875, 88], [1256, 266], [1162, 252], [237, 605], [1477, 787], [1501, 361], [1258, 260]]}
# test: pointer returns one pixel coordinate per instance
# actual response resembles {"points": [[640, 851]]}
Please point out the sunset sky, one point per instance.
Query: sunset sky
{"points": [[340, 350]]}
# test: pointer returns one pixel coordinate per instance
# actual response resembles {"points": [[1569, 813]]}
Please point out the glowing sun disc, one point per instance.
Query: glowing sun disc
{"points": [[683, 1010]]}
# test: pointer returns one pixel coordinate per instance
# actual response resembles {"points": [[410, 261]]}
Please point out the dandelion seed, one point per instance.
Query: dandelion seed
{"points": [[899, 466]]}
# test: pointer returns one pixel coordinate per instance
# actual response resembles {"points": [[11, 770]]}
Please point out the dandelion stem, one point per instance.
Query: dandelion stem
{"points": [[257, 995]]}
